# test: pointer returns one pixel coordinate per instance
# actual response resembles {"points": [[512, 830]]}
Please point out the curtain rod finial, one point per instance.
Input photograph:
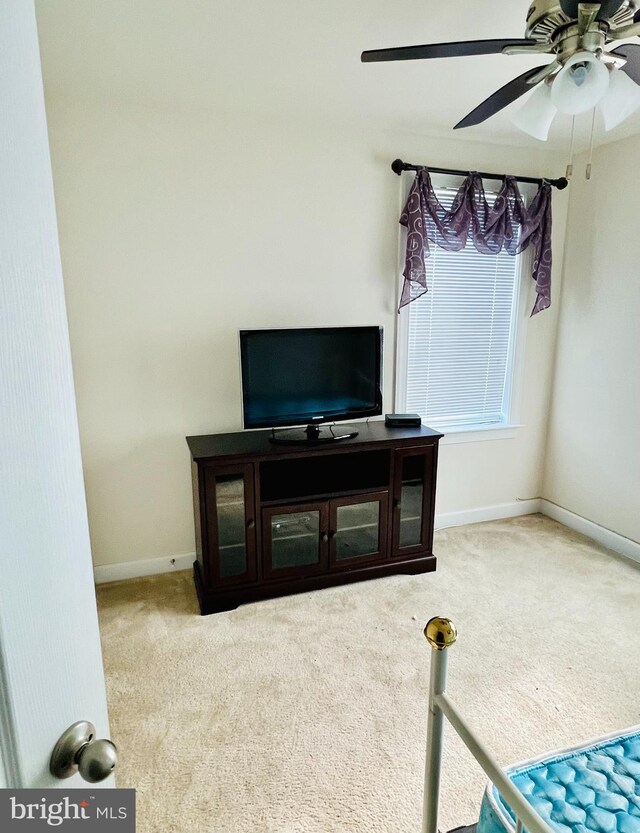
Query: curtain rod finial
{"points": [[397, 166], [561, 183]]}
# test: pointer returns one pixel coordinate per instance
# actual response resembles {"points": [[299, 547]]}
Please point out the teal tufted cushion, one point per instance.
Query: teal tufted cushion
{"points": [[592, 789]]}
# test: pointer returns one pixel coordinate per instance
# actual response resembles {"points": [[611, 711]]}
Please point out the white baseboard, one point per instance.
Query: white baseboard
{"points": [[167, 564], [606, 537], [488, 513], [143, 567]]}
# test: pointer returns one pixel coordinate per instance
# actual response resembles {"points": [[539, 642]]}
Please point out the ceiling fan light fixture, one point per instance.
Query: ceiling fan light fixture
{"points": [[580, 84], [621, 100], [536, 115]]}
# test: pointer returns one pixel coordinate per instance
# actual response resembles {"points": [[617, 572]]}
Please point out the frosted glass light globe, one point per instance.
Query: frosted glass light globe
{"points": [[580, 84], [621, 100], [536, 115]]}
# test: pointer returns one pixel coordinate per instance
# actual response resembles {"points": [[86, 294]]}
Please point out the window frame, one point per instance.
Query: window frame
{"points": [[507, 429]]}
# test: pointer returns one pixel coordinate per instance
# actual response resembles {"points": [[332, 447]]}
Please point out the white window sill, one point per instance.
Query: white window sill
{"points": [[476, 433]]}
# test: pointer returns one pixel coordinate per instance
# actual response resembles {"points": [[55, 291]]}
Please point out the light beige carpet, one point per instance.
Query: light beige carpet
{"points": [[307, 714]]}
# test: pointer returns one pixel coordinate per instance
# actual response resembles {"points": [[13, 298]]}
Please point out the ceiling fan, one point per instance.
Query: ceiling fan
{"points": [[584, 71]]}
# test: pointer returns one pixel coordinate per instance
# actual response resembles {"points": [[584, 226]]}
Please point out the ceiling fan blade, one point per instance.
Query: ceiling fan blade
{"points": [[630, 51], [607, 8], [570, 8], [500, 99], [456, 49]]}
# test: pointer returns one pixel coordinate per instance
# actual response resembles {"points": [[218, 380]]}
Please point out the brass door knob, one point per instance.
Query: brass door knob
{"points": [[77, 750]]}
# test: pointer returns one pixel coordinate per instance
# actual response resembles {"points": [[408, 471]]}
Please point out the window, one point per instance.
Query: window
{"points": [[457, 342]]}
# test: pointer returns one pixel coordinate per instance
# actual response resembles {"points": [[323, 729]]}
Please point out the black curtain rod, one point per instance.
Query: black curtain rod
{"points": [[398, 166]]}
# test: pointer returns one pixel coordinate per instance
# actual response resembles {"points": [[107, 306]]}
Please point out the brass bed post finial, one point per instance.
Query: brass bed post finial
{"points": [[440, 633]]}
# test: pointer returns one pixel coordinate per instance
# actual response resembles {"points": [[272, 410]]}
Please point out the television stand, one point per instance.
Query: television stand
{"points": [[310, 434], [275, 519]]}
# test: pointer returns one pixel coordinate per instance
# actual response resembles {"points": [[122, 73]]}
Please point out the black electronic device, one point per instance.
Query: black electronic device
{"points": [[402, 420], [308, 376]]}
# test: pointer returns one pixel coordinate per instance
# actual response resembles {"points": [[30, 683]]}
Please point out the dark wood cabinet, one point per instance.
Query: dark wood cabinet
{"points": [[414, 491], [229, 508], [294, 540], [276, 519], [358, 530]]}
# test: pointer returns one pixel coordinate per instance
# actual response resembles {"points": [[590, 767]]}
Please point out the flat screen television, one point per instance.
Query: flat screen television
{"points": [[310, 376]]}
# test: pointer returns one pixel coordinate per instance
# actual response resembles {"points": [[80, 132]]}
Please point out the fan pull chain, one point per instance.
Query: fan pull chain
{"points": [[569, 172], [593, 124]]}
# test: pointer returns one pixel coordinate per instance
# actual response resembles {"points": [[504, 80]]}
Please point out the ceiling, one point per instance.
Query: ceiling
{"points": [[294, 58]]}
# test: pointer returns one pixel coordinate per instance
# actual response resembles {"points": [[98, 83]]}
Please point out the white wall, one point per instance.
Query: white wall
{"points": [[180, 227], [593, 454]]}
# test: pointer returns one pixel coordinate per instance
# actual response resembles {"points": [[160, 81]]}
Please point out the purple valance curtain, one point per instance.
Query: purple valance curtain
{"points": [[506, 225]]}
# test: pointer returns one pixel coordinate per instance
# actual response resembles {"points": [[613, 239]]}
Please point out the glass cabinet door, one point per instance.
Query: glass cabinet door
{"points": [[413, 495], [231, 524], [295, 539], [358, 529]]}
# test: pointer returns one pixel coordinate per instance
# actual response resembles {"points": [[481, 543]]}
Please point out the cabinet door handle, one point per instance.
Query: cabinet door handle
{"points": [[324, 537], [332, 534], [250, 523], [396, 503]]}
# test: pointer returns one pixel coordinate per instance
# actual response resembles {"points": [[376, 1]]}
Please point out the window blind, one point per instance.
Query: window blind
{"points": [[460, 337]]}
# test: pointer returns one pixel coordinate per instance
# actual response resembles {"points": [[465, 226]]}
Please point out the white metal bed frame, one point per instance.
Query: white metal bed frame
{"points": [[441, 633]]}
